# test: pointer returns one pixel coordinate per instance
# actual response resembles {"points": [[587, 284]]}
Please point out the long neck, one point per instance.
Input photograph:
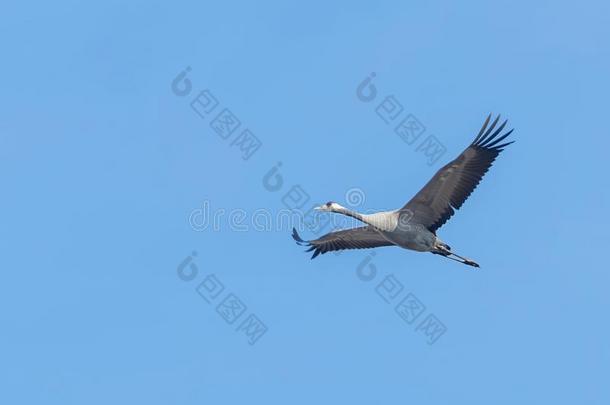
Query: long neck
{"points": [[385, 221], [352, 214]]}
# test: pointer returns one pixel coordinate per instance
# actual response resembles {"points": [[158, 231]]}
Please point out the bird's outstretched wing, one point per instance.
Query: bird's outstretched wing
{"points": [[356, 238], [437, 201]]}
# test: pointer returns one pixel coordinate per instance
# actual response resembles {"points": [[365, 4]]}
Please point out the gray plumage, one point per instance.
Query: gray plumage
{"points": [[414, 226]]}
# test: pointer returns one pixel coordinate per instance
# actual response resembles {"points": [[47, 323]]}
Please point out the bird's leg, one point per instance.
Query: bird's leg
{"points": [[446, 253], [466, 260]]}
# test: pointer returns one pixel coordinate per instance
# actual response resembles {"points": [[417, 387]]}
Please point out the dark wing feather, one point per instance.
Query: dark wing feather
{"points": [[434, 204], [356, 238]]}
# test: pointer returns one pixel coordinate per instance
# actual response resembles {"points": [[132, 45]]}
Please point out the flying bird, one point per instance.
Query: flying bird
{"points": [[414, 226]]}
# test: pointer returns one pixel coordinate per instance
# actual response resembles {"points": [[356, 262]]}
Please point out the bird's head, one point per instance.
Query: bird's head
{"points": [[330, 206]]}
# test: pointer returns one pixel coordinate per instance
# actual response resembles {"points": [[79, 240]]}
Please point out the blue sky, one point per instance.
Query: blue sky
{"points": [[105, 170]]}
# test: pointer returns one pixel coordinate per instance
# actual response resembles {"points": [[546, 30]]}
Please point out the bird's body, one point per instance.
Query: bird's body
{"points": [[396, 228], [414, 226], [413, 237]]}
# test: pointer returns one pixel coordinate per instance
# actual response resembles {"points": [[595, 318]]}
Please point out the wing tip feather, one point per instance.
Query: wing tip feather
{"points": [[297, 237], [486, 139]]}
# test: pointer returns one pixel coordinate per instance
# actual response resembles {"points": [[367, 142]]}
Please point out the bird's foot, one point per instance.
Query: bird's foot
{"points": [[471, 263]]}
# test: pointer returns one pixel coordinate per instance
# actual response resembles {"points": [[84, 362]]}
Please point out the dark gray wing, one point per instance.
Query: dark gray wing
{"points": [[356, 238], [434, 204]]}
